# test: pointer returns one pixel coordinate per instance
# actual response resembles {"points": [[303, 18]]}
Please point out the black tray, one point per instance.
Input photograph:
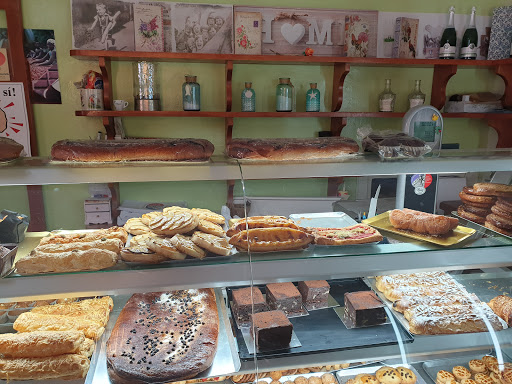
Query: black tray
{"points": [[322, 330]]}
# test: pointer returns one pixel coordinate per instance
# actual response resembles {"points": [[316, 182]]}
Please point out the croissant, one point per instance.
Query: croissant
{"points": [[502, 306], [40, 343], [66, 367], [421, 222]]}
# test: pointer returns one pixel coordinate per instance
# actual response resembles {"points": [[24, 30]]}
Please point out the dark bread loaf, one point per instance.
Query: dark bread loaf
{"points": [[133, 150], [9, 149], [291, 149], [161, 337]]}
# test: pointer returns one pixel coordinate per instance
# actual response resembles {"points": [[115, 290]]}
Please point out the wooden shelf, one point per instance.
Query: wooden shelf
{"points": [[278, 59], [497, 116]]}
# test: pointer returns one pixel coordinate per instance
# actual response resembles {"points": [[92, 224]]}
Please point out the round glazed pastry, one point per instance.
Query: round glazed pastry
{"points": [[486, 200], [506, 374], [468, 190], [499, 221], [499, 211], [315, 369], [482, 378], [495, 378], [461, 211], [461, 372], [289, 372], [328, 378], [388, 375], [276, 375], [303, 371], [477, 366], [490, 361], [275, 382], [366, 379], [476, 210], [314, 380], [489, 225], [300, 380], [444, 376], [467, 381], [505, 203], [407, 376]]}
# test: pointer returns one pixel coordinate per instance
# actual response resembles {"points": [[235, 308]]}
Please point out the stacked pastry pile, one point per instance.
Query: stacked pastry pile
{"points": [[488, 204], [89, 251], [434, 303], [481, 371], [54, 341], [277, 375], [268, 234], [386, 375], [175, 234]]}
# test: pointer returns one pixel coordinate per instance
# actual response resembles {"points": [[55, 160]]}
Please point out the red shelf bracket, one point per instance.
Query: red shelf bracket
{"points": [[442, 73], [503, 128], [229, 94], [106, 73], [341, 71], [337, 125], [229, 129], [505, 72]]}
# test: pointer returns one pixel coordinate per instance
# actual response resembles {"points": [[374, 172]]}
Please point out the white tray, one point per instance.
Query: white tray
{"points": [[323, 220]]}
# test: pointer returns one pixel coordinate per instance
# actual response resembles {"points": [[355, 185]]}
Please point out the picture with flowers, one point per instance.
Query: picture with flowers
{"points": [[248, 33], [357, 33], [149, 35], [242, 40]]}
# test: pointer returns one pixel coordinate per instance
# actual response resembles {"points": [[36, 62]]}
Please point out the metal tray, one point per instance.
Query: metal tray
{"points": [[346, 374], [315, 332], [459, 234], [433, 366], [293, 377], [7, 261], [323, 220], [226, 359], [483, 228]]}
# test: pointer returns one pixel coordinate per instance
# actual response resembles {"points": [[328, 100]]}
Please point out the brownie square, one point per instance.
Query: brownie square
{"points": [[284, 297], [242, 303], [314, 293], [364, 309], [272, 330]]}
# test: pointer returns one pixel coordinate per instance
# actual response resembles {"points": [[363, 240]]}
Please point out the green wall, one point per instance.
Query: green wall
{"points": [[64, 207]]}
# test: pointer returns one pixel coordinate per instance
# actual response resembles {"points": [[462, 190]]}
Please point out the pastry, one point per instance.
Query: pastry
{"points": [[477, 366], [212, 243], [186, 245], [444, 376], [461, 211], [461, 372], [164, 246], [139, 252], [355, 234], [467, 381], [502, 306], [87, 347], [477, 210], [114, 245], [211, 228], [300, 380], [275, 382], [286, 382], [491, 363], [499, 211], [506, 373], [446, 299], [407, 376], [492, 189], [482, 378], [314, 293], [40, 344], [366, 379], [68, 367], [388, 375], [491, 226], [504, 204], [9, 149], [272, 330], [291, 149], [261, 222], [421, 222], [495, 377], [206, 214], [135, 226], [314, 380], [488, 200], [500, 221], [173, 223], [148, 217], [284, 297], [110, 233], [71, 261], [132, 150], [271, 239], [163, 337], [328, 378], [363, 309], [247, 300], [276, 375]]}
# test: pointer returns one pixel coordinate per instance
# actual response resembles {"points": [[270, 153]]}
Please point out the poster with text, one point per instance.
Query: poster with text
{"points": [[13, 115]]}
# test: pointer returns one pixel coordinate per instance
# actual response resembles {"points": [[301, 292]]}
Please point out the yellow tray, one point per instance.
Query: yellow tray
{"points": [[459, 234]]}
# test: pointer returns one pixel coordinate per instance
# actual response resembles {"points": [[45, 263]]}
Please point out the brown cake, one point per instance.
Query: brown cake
{"points": [[272, 330], [242, 303], [284, 297], [363, 309], [314, 293], [163, 336]]}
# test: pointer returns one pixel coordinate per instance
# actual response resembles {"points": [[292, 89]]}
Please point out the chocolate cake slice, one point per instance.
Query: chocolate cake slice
{"points": [[363, 309], [242, 303], [314, 293], [272, 330], [284, 297]]}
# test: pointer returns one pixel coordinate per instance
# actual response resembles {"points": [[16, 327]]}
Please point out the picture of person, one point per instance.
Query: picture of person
{"points": [[106, 23], [50, 57]]}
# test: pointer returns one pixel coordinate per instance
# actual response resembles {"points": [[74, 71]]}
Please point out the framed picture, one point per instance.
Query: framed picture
{"points": [[149, 29], [248, 33], [13, 115]]}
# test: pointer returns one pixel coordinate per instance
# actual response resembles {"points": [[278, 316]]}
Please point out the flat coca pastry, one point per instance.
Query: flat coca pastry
{"points": [[291, 149], [477, 199], [501, 210], [476, 210], [133, 150], [500, 222], [355, 234], [470, 216], [163, 336], [9, 149], [490, 225], [492, 189]]}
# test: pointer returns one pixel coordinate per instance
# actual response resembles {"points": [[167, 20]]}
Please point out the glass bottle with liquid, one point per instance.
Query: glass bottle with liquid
{"points": [[448, 42], [313, 99], [468, 48], [191, 91], [387, 98], [248, 98], [416, 97], [284, 95]]}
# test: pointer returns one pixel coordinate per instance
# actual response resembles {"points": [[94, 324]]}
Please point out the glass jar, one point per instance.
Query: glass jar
{"points": [[387, 98], [191, 91], [416, 97], [248, 98], [145, 86], [284, 95], [313, 99]]}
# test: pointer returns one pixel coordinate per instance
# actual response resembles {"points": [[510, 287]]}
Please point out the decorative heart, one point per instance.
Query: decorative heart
{"points": [[293, 33]]}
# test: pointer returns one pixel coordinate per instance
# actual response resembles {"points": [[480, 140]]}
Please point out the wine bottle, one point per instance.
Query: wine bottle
{"points": [[448, 43], [470, 39], [387, 98]]}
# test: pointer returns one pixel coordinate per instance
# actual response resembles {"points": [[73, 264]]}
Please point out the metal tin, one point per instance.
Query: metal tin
{"points": [[147, 104]]}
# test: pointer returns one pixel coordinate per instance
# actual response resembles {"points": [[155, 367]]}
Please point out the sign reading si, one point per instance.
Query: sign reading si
{"points": [[288, 31]]}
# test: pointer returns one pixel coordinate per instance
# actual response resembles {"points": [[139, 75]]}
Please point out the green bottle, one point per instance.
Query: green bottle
{"points": [[313, 99], [448, 43], [470, 39]]}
